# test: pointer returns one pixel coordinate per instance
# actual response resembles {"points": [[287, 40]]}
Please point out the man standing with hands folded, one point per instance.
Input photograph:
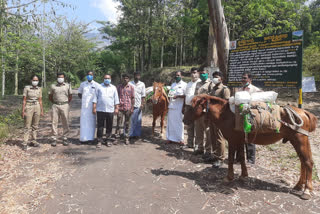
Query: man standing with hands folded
{"points": [[105, 105]]}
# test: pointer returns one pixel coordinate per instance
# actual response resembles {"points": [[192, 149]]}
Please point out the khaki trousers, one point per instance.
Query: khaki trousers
{"points": [[31, 121], [62, 112], [190, 130], [218, 142], [202, 128]]}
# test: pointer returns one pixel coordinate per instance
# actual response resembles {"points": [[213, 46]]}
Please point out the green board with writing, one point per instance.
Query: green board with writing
{"points": [[274, 61]]}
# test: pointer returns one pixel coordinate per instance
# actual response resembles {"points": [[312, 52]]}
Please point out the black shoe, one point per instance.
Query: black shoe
{"points": [[109, 144], [198, 152], [251, 161], [24, 147], [54, 144], [209, 159], [217, 164], [206, 156], [190, 146]]}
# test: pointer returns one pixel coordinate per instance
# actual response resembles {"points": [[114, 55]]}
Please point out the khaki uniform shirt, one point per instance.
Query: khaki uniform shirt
{"points": [[221, 91], [204, 87], [61, 92], [32, 93]]}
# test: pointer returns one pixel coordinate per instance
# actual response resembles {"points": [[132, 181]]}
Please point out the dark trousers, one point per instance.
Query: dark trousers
{"points": [[251, 152], [104, 118]]}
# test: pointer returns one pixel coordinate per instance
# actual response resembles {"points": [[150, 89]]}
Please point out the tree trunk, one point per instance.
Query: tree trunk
{"points": [[162, 34], [44, 85], [184, 51], [221, 33], [149, 41], [143, 53], [176, 56], [181, 48], [212, 57]]}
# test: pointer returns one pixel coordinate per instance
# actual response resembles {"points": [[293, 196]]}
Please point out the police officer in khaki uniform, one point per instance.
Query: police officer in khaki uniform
{"points": [[31, 111], [60, 95], [218, 141], [205, 86]]}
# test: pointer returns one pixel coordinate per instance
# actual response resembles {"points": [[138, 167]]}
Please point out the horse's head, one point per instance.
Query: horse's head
{"points": [[157, 92], [204, 103]]}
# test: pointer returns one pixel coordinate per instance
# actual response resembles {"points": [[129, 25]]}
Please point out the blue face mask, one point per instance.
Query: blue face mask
{"points": [[107, 81], [89, 78]]}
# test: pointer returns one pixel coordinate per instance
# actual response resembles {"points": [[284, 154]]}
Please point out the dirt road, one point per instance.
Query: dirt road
{"points": [[147, 177]]}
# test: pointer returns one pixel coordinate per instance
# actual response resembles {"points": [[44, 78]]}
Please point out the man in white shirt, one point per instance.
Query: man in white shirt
{"points": [[175, 126], [247, 86], [86, 93], [105, 105], [136, 117], [191, 87]]}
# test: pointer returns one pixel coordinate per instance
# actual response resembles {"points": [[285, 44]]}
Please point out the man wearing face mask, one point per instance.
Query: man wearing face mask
{"points": [[175, 126], [218, 141], [140, 94], [247, 86], [205, 86], [126, 106], [105, 105], [60, 95], [191, 87]]}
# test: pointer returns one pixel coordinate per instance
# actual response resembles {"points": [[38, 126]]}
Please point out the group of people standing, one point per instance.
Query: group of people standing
{"points": [[99, 104], [206, 139], [102, 101]]}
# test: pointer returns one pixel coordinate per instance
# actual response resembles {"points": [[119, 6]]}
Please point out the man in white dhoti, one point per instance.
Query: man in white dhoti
{"points": [[86, 93], [175, 126]]}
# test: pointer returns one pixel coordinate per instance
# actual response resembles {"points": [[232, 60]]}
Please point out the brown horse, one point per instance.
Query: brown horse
{"points": [[160, 104], [219, 113]]}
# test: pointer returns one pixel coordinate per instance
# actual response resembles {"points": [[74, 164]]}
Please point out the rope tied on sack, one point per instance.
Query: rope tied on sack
{"points": [[292, 115], [294, 126]]}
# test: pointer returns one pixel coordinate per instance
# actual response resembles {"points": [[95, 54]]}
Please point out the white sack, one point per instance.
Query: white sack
{"points": [[242, 97], [266, 96]]}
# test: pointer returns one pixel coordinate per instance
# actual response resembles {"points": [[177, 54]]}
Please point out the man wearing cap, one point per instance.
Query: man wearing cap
{"points": [[60, 95], [140, 94]]}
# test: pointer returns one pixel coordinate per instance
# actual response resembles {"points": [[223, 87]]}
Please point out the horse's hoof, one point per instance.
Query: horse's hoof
{"points": [[244, 178], [305, 196], [227, 180]]}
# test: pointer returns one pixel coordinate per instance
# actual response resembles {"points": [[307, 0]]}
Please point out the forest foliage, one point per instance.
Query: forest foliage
{"points": [[150, 34]]}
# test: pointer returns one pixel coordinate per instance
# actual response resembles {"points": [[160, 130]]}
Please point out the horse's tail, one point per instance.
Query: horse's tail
{"points": [[313, 121]]}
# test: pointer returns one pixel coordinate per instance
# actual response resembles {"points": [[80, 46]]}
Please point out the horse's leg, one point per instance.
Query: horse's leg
{"points": [[244, 171], [154, 124], [162, 123], [231, 152], [303, 149]]}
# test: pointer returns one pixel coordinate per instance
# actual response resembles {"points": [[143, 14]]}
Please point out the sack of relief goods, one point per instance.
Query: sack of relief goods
{"points": [[242, 97], [266, 96], [257, 117]]}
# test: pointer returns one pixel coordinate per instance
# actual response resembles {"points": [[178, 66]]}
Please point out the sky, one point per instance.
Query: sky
{"points": [[89, 11]]}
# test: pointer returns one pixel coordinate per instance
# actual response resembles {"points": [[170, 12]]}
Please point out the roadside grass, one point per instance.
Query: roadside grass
{"points": [[12, 121]]}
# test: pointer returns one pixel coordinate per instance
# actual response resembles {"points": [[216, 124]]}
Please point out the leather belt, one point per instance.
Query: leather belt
{"points": [[62, 103]]}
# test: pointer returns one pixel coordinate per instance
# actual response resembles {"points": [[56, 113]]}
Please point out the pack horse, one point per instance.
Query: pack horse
{"points": [[218, 111]]}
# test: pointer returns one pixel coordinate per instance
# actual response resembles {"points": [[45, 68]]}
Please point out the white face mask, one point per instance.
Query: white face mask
{"points": [[35, 83], [60, 80], [215, 80]]}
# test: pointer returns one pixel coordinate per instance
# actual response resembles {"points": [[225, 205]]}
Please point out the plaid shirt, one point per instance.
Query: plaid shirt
{"points": [[126, 94]]}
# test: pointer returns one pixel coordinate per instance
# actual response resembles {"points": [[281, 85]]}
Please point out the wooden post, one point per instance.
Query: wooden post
{"points": [[221, 34]]}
